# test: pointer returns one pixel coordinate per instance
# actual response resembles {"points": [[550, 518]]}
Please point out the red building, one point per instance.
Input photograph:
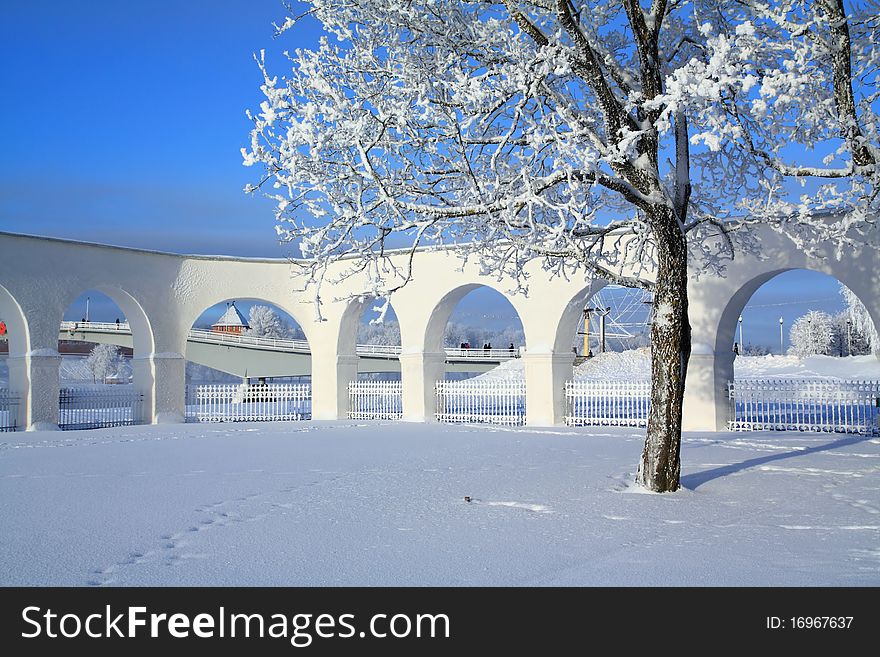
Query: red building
{"points": [[231, 322]]}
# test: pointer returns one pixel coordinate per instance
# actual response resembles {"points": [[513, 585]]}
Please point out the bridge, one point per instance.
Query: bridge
{"points": [[259, 357], [163, 294]]}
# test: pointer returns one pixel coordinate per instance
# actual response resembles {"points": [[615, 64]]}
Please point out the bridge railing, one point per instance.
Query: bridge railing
{"points": [[486, 402], [98, 327], [805, 405], [608, 403], [472, 353], [279, 344], [298, 346], [266, 402]]}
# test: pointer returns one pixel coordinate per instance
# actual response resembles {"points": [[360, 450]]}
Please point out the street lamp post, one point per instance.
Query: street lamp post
{"points": [[849, 337], [603, 313], [742, 346], [781, 338]]}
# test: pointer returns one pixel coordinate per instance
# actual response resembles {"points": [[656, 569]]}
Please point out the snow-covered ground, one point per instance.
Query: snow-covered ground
{"points": [[635, 365], [360, 503]]}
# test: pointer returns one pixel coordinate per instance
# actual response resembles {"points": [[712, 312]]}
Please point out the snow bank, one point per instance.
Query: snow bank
{"points": [[630, 365], [509, 370], [826, 367]]}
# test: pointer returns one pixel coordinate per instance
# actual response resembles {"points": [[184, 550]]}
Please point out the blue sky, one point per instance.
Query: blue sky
{"points": [[123, 123]]}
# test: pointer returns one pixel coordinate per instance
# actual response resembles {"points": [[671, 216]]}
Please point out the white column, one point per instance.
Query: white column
{"points": [[331, 374], [34, 378], [706, 403], [546, 374], [419, 372], [161, 378]]}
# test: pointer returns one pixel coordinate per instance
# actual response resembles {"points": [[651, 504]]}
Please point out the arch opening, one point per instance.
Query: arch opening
{"points": [[247, 359], [797, 322], [607, 329], [244, 339], [802, 347], [370, 329], [105, 342], [480, 331]]}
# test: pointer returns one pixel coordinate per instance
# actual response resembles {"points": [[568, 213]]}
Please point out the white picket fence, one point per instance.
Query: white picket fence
{"points": [[99, 406], [805, 405], [8, 410], [475, 401], [609, 403], [375, 400], [249, 403]]}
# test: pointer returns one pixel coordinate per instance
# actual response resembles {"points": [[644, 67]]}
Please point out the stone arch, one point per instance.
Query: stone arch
{"points": [[349, 323], [246, 364], [431, 338], [572, 312], [143, 340], [197, 309], [727, 321]]}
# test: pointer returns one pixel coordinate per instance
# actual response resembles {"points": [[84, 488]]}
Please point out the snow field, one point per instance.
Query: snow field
{"points": [[364, 503]]}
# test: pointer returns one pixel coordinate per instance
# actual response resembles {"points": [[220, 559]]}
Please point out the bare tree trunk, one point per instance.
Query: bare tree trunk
{"points": [[660, 467]]}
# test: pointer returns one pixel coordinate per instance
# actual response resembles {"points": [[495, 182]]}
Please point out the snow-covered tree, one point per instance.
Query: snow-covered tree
{"points": [[813, 334], [265, 322], [386, 332], [103, 361], [617, 139], [860, 333]]}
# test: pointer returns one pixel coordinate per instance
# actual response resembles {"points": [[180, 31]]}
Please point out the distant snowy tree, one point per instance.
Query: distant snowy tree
{"points": [[862, 332], [265, 322], [103, 362], [813, 334], [756, 350], [618, 139], [386, 332]]}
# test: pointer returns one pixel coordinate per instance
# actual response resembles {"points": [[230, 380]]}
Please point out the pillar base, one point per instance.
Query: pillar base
{"points": [[419, 372], [331, 374], [43, 426], [161, 378], [546, 374], [706, 402]]}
